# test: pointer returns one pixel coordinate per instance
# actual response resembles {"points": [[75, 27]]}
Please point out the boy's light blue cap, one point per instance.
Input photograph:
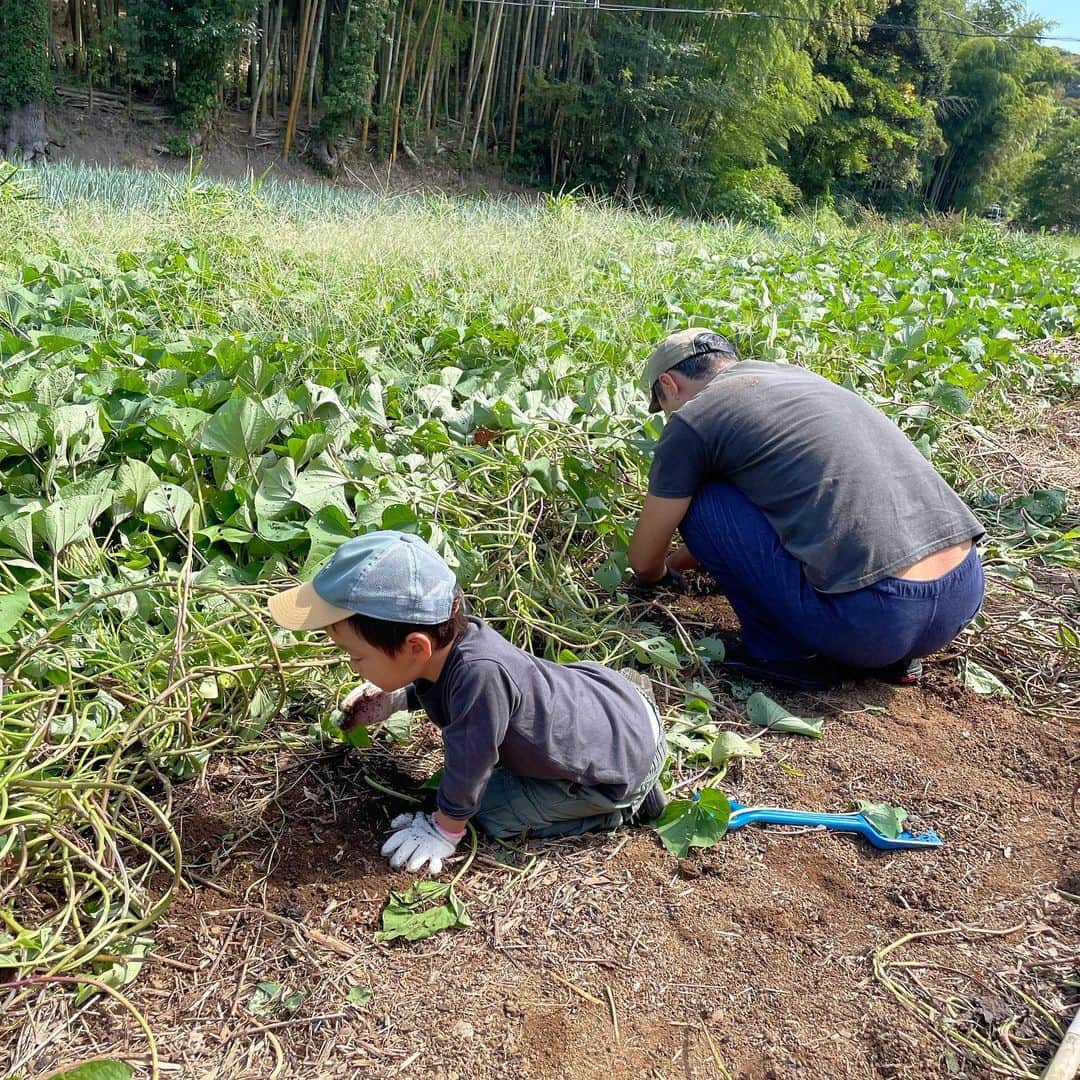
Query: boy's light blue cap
{"points": [[387, 575]]}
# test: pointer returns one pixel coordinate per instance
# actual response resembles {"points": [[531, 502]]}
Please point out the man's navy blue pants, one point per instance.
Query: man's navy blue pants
{"points": [[784, 617]]}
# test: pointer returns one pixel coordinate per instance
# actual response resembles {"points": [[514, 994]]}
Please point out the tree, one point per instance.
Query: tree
{"points": [[24, 78], [875, 145], [1051, 192], [190, 45], [1001, 98], [347, 99], [670, 107]]}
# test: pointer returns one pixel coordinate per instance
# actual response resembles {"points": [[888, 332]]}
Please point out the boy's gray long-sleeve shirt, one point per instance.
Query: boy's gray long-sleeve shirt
{"points": [[499, 705]]}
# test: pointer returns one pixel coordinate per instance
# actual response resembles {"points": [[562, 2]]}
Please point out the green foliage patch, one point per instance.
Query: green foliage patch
{"points": [[209, 390]]}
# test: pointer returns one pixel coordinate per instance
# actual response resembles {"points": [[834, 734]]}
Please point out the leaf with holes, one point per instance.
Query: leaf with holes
{"points": [[658, 651], [168, 506]]}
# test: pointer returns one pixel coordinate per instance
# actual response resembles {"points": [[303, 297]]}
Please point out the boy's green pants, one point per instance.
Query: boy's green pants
{"points": [[517, 805]]}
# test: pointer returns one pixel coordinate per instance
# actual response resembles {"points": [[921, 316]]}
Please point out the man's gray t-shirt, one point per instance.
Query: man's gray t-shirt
{"points": [[846, 491], [499, 705]]}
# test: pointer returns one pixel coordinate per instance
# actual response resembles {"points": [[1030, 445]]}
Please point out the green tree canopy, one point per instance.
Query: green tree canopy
{"points": [[1051, 191]]}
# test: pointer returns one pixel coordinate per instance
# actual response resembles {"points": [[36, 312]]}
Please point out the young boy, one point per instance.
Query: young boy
{"points": [[529, 746]]}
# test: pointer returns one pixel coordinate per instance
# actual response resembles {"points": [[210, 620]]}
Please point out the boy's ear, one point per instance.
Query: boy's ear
{"points": [[419, 646]]}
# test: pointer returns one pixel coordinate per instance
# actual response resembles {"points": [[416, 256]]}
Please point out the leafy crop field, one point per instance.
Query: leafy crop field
{"points": [[205, 388]]}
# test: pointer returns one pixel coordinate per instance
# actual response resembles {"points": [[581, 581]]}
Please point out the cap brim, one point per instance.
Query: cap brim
{"points": [[303, 608]]}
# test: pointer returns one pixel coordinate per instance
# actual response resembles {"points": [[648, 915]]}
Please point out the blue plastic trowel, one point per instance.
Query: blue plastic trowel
{"points": [[853, 822]]}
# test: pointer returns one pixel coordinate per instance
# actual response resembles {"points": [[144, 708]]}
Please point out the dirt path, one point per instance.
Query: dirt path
{"points": [[603, 957]]}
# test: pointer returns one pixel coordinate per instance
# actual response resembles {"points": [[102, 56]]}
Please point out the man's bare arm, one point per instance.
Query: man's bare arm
{"points": [[652, 536]]}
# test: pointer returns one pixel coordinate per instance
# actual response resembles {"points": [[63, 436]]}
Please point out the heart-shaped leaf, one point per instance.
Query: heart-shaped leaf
{"points": [[168, 506], [97, 1070], [700, 822], [277, 486], [134, 480], [240, 429], [763, 712], [730, 745], [710, 649], [977, 678], [886, 818], [12, 606], [657, 650]]}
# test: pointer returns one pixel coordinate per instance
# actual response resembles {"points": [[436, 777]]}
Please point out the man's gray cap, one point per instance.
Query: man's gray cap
{"points": [[677, 347]]}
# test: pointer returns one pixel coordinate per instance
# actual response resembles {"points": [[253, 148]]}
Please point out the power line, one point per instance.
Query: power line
{"points": [[727, 13]]}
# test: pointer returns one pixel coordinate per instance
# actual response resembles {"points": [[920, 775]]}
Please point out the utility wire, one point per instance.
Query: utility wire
{"points": [[644, 9]]}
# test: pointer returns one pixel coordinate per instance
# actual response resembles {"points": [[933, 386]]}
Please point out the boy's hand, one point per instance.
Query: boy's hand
{"points": [[368, 705], [416, 841]]}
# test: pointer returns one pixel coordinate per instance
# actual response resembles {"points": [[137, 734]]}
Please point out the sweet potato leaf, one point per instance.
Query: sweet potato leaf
{"points": [[97, 1070], [886, 818], [700, 822], [763, 712], [406, 915]]}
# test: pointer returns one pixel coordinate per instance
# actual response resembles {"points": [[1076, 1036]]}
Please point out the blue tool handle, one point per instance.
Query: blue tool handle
{"points": [[774, 815]]}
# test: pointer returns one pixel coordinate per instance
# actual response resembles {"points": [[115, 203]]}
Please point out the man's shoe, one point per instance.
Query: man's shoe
{"points": [[812, 673], [902, 673], [652, 806]]}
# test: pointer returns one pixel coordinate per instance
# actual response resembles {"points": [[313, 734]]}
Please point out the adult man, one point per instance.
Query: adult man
{"points": [[836, 542]]}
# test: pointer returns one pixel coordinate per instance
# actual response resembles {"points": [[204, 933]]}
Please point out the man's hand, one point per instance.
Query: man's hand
{"points": [[368, 705], [416, 841], [672, 581]]}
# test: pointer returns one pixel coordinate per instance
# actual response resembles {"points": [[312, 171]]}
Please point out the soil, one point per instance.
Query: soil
{"points": [[106, 135], [601, 956]]}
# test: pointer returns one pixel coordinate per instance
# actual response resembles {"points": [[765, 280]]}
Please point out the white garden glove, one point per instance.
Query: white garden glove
{"points": [[368, 705], [418, 840]]}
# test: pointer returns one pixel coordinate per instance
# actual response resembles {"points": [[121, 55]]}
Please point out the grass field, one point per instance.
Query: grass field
{"points": [[204, 388]]}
